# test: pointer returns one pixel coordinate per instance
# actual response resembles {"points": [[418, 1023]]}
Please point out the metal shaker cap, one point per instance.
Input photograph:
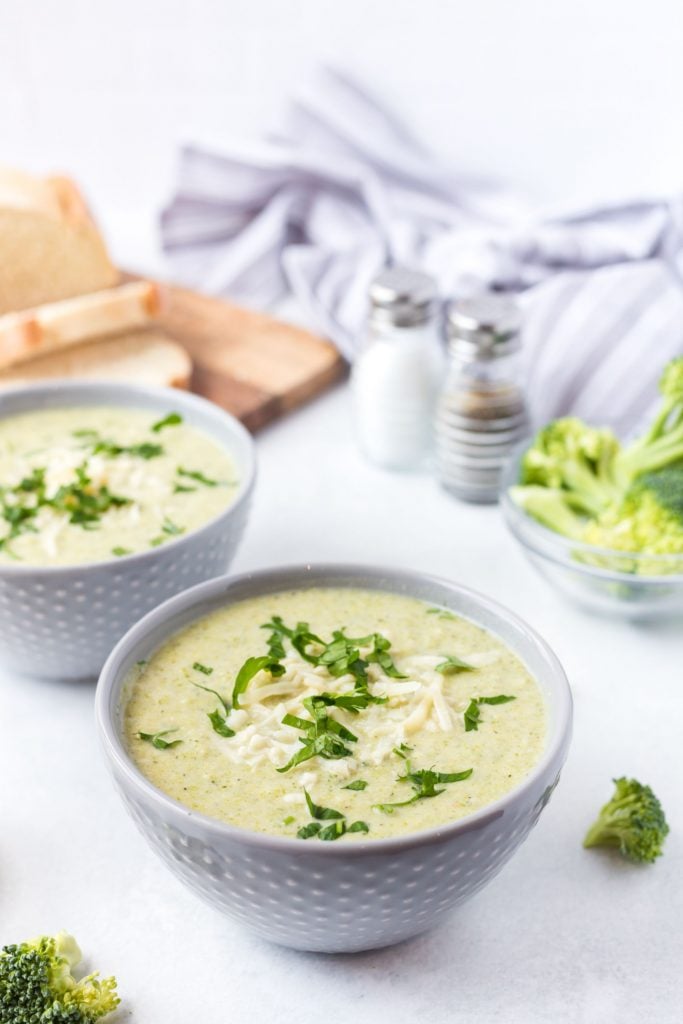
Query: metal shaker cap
{"points": [[484, 326], [402, 297]]}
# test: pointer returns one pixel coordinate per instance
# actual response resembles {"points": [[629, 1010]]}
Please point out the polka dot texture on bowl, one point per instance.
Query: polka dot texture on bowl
{"points": [[62, 623], [340, 900]]}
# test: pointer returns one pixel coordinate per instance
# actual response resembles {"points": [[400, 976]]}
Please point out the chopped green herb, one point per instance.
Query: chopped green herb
{"points": [[219, 717], [402, 751], [204, 669], [180, 489], [141, 662], [502, 698], [452, 664], [219, 724], [252, 667], [120, 552], [156, 541], [146, 450], [472, 714], [157, 739], [81, 501], [333, 831], [84, 433], [441, 613], [321, 813], [359, 826], [424, 783], [312, 829], [358, 785], [324, 735], [289, 820], [172, 420], [207, 689], [194, 474], [171, 529]]}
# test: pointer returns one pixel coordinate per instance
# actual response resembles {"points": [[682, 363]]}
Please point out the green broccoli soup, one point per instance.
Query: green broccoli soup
{"points": [[329, 713], [87, 484]]}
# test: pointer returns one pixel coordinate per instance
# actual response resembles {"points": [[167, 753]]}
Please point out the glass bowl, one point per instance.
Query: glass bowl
{"points": [[629, 584]]}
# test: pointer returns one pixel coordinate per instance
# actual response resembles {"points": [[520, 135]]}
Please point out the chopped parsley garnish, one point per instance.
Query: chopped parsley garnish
{"points": [[321, 813], [402, 751], [81, 501], [358, 785], [146, 450], [327, 833], [472, 713], [181, 489], [194, 474], [204, 669], [219, 717], [219, 724], [323, 736], [251, 668], [172, 420], [424, 783], [157, 739], [289, 820], [120, 552], [452, 664], [441, 613], [306, 831], [333, 831], [171, 529]]}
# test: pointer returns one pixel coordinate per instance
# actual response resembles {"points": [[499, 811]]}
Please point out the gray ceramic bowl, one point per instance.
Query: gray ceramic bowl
{"points": [[61, 622], [337, 897]]}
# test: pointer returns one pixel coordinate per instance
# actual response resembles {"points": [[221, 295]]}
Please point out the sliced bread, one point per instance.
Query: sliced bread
{"points": [[50, 247], [142, 357], [54, 325]]}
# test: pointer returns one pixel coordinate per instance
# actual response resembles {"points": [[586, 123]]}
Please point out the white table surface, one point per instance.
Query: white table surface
{"points": [[561, 935]]}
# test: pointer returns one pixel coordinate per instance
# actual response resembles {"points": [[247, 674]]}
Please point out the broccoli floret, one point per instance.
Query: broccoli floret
{"points": [[641, 523], [626, 499], [662, 444], [550, 506], [568, 455], [37, 986], [633, 821]]}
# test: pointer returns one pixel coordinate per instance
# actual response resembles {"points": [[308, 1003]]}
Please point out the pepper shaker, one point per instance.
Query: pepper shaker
{"points": [[481, 412]]}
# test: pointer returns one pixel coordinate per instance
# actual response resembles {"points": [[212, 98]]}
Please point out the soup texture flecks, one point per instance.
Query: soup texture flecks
{"points": [[84, 484], [393, 714]]}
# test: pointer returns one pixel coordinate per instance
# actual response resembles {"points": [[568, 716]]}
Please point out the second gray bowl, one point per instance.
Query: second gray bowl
{"points": [[61, 622]]}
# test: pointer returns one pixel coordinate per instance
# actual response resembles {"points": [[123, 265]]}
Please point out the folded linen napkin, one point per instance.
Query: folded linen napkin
{"points": [[344, 189]]}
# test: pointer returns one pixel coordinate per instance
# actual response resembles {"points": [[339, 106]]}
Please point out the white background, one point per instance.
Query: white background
{"points": [[570, 100]]}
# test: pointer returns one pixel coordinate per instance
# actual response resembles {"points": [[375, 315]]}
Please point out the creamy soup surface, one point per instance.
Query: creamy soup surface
{"points": [[86, 484], [432, 725]]}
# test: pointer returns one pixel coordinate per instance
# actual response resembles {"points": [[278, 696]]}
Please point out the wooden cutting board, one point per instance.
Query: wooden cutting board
{"points": [[253, 365]]}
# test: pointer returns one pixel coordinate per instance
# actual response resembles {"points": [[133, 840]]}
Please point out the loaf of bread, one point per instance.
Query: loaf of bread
{"points": [[50, 247], [142, 357], [55, 325]]}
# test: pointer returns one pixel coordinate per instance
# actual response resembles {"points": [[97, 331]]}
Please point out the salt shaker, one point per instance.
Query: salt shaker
{"points": [[481, 413], [395, 377]]}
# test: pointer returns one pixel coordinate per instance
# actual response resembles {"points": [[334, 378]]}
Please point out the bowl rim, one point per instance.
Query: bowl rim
{"points": [[557, 548], [322, 574], [184, 400]]}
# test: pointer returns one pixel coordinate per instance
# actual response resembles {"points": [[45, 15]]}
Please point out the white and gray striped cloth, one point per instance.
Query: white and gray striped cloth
{"points": [[345, 189]]}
